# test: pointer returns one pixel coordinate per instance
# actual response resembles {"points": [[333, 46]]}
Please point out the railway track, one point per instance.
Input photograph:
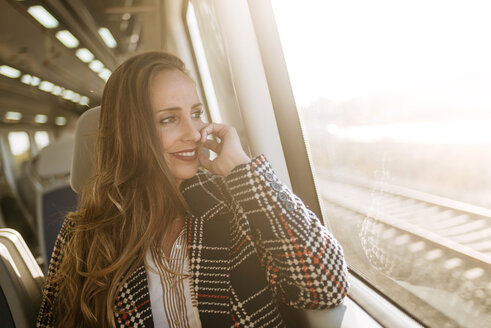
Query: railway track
{"points": [[425, 243]]}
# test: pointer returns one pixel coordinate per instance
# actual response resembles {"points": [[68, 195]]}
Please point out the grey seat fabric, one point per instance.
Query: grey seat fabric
{"points": [[20, 279], [54, 198], [54, 160], [54, 204]]}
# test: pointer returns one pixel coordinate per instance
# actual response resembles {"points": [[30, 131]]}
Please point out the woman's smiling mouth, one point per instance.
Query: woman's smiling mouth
{"points": [[187, 154]]}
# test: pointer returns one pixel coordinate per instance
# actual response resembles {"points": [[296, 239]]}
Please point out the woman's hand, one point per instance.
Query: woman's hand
{"points": [[229, 151]]}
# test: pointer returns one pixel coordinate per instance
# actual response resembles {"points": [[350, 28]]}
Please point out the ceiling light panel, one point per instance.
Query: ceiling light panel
{"points": [[43, 16], [76, 97], [84, 101], [46, 86], [13, 116], [67, 39], [60, 120], [26, 79], [107, 37], [57, 90], [67, 94], [84, 55], [35, 81], [41, 118], [96, 66], [104, 74], [9, 71]]}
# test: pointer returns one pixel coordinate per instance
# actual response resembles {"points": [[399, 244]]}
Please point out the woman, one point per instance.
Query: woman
{"points": [[157, 241]]}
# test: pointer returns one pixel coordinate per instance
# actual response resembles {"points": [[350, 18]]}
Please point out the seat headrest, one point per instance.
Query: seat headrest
{"points": [[83, 160], [55, 159]]}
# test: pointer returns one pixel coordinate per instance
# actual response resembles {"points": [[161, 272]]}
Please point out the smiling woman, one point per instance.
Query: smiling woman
{"points": [[158, 241], [178, 111]]}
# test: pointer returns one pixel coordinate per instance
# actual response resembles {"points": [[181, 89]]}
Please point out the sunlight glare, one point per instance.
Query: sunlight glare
{"points": [[344, 49]]}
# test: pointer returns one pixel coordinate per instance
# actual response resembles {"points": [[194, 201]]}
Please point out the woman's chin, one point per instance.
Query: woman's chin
{"points": [[185, 173]]}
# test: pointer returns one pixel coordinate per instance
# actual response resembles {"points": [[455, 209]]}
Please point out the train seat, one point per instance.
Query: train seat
{"points": [[54, 204], [54, 196], [83, 151], [27, 191], [49, 166], [20, 282], [54, 160]]}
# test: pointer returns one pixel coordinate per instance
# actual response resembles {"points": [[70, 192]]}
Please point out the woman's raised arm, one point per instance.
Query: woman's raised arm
{"points": [[303, 261]]}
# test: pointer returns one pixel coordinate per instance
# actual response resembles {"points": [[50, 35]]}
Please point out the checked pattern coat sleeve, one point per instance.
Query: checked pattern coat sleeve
{"points": [[303, 262]]}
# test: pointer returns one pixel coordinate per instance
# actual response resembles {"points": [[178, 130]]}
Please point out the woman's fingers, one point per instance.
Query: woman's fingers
{"points": [[204, 135], [213, 145], [229, 150], [220, 130]]}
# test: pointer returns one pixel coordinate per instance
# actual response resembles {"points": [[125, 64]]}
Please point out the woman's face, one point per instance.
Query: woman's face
{"points": [[177, 110]]}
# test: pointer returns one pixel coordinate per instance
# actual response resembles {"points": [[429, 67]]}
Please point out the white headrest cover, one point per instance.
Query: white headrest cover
{"points": [[83, 161]]}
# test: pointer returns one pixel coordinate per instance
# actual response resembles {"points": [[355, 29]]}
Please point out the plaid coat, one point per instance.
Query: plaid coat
{"points": [[251, 244]]}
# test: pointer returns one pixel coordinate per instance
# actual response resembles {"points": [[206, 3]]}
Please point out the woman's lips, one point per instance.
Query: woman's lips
{"points": [[187, 155]]}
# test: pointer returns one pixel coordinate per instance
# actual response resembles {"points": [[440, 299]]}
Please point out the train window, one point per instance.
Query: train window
{"points": [[41, 138], [19, 145], [394, 100], [211, 57], [203, 65]]}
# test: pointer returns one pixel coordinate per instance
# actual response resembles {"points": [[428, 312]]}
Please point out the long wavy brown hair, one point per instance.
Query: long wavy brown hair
{"points": [[127, 207]]}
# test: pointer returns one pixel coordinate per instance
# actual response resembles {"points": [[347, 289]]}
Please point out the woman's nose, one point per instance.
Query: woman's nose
{"points": [[191, 130]]}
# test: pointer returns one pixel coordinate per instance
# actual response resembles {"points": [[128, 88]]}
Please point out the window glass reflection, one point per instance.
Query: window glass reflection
{"points": [[394, 98]]}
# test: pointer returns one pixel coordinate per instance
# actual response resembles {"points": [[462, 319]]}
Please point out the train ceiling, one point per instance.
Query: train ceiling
{"points": [[55, 56]]}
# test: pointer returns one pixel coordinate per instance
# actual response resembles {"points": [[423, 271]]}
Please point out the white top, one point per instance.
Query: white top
{"points": [[177, 306]]}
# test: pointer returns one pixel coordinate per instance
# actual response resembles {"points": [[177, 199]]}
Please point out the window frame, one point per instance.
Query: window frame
{"points": [[298, 159]]}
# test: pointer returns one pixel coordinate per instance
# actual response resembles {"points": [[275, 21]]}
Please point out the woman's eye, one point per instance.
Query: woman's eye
{"points": [[168, 119], [198, 113]]}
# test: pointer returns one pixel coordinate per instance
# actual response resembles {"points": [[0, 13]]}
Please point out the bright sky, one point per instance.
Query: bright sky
{"points": [[339, 49]]}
